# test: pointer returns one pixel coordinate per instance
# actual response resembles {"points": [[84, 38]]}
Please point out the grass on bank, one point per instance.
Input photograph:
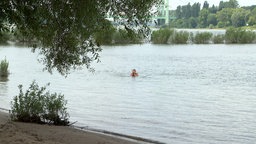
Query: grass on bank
{"points": [[232, 35], [114, 36], [161, 36], [4, 65], [202, 38]]}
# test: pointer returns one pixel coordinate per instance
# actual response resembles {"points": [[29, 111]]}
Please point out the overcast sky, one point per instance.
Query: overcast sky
{"points": [[175, 3]]}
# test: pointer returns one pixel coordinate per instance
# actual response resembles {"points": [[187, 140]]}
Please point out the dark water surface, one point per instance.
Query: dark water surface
{"points": [[185, 93]]}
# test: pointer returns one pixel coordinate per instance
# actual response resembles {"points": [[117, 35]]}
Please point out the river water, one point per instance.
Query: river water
{"points": [[185, 94]]}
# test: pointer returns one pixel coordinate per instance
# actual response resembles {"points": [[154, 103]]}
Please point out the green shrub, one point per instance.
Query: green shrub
{"points": [[180, 37], [37, 105], [238, 35], [161, 36], [202, 38], [122, 36], [4, 72], [218, 39]]}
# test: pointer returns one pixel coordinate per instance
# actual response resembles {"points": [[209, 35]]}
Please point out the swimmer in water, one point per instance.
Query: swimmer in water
{"points": [[134, 73]]}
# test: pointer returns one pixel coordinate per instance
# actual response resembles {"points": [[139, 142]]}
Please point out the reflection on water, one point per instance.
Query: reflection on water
{"points": [[4, 79], [3, 91], [3, 86], [185, 94]]}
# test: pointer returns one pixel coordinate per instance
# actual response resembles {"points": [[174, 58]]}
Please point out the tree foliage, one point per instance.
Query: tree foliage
{"points": [[212, 19], [226, 14], [232, 4], [203, 16], [213, 9], [252, 17], [193, 22], [228, 4], [240, 17], [65, 28], [105, 36], [187, 11], [205, 5]]}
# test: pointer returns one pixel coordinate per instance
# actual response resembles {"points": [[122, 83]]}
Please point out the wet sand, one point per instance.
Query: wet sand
{"points": [[27, 133]]}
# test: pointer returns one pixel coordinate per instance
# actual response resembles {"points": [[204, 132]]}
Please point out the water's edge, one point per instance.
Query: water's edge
{"points": [[105, 132], [129, 137]]}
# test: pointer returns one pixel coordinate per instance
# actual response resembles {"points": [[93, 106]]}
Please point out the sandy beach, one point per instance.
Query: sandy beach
{"points": [[27, 133]]}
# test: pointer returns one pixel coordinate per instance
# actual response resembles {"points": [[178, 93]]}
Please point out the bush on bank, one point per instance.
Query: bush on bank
{"points": [[202, 38], [121, 36], [218, 39], [114, 36], [232, 35], [161, 36], [37, 105], [181, 37], [238, 35]]}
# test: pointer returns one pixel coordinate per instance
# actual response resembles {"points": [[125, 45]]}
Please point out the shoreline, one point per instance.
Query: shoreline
{"points": [[119, 135], [19, 133]]}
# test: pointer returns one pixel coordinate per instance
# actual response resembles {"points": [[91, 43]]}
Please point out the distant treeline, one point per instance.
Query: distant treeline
{"points": [[111, 36], [116, 36], [232, 35], [226, 14], [119, 36]]}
